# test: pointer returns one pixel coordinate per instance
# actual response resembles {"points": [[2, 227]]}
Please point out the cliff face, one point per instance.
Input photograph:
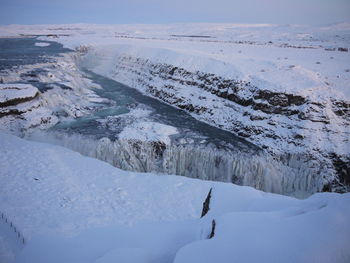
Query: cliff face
{"points": [[298, 129]]}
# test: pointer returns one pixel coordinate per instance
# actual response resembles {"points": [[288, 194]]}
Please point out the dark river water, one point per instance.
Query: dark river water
{"points": [[22, 51]]}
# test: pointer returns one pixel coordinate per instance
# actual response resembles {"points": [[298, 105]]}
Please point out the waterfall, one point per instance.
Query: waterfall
{"points": [[205, 162]]}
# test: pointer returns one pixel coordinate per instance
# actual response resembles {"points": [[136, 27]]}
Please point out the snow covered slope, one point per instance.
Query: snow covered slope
{"points": [[72, 208]]}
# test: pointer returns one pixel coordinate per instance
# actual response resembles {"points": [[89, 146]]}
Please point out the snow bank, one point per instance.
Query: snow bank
{"points": [[77, 209], [274, 230]]}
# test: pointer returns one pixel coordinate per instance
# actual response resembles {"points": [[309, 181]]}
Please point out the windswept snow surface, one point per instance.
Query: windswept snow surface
{"points": [[72, 208]]}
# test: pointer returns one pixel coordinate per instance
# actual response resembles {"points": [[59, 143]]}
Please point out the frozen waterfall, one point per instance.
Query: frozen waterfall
{"points": [[196, 161]]}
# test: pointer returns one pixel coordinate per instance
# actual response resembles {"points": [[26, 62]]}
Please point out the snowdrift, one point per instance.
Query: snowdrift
{"points": [[72, 208]]}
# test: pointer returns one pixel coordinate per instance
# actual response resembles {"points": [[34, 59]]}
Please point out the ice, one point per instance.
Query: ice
{"points": [[194, 161], [288, 231]]}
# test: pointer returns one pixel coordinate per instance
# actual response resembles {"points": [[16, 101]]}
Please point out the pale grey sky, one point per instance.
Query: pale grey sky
{"points": [[165, 11]]}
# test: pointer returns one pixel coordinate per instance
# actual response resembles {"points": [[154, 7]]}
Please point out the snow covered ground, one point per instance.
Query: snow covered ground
{"points": [[72, 208]]}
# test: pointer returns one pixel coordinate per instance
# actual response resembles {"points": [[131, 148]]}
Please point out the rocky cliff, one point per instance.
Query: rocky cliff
{"points": [[297, 129]]}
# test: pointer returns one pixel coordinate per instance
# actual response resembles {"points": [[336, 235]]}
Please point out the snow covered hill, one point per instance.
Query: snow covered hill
{"points": [[72, 208]]}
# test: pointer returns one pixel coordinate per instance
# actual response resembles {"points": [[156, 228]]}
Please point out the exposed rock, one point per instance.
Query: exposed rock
{"points": [[341, 108], [213, 226], [13, 94], [158, 148], [342, 166], [206, 204]]}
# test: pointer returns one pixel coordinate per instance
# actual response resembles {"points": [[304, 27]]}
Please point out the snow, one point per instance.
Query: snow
{"points": [[42, 44], [75, 193], [247, 48], [10, 92], [313, 230], [148, 131], [72, 208]]}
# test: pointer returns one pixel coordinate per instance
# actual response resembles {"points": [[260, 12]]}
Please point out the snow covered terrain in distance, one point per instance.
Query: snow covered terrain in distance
{"points": [[72, 208], [282, 87]]}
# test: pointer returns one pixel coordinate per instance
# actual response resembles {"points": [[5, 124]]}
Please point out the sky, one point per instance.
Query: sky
{"points": [[173, 11]]}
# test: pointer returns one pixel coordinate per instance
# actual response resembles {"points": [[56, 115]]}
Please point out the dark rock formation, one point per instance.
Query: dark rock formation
{"points": [[206, 204], [342, 166], [212, 233], [17, 101]]}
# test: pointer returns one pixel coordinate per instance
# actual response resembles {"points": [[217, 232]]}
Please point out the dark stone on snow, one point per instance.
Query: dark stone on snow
{"points": [[17, 101], [206, 204], [212, 233]]}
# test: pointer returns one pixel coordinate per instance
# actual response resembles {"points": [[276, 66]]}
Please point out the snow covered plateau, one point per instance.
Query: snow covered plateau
{"points": [[265, 106]]}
